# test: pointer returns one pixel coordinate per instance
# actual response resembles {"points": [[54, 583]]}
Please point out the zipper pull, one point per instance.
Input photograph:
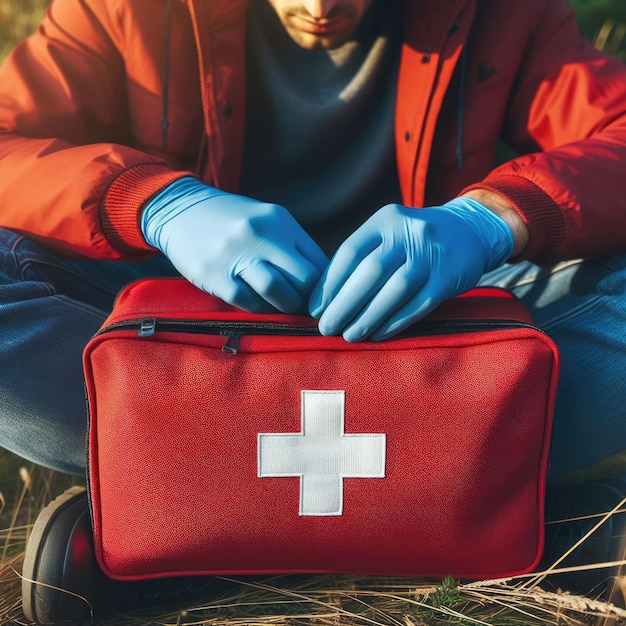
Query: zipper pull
{"points": [[147, 326], [232, 341]]}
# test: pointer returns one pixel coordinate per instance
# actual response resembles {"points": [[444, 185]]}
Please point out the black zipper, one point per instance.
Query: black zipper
{"points": [[233, 330]]}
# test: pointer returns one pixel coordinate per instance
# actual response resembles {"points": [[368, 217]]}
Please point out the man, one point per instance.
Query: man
{"points": [[248, 142]]}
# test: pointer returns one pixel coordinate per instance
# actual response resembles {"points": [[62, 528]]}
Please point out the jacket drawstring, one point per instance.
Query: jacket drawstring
{"points": [[459, 138], [165, 123]]}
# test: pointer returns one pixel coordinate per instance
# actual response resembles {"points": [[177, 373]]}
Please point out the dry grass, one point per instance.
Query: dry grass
{"points": [[307, 601], [301, 600]]}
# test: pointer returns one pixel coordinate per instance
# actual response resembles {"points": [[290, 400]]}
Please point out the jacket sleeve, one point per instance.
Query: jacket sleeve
{"points": [[68, 177], [567, 117]]}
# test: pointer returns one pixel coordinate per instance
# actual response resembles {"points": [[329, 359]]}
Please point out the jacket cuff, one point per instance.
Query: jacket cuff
{"points": [[121, 205], [542, 216]]}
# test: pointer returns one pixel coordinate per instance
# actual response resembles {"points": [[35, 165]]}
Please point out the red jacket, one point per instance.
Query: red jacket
{"points": [[83, 142]]}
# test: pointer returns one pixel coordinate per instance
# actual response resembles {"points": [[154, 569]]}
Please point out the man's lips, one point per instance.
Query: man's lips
{"points": [[320, 27]]}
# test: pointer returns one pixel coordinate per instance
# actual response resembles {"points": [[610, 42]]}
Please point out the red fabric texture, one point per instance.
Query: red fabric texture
{"points": [[174, 423]]}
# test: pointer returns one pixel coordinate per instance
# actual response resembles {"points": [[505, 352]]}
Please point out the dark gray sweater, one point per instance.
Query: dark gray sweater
{"points": [[319, 134]]}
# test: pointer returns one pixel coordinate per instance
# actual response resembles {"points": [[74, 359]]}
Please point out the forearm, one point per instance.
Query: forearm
{"points": [[566, 120], [504, 210]]}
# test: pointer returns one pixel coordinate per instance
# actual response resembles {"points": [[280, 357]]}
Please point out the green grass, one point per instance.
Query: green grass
{"points": [[604, 23], [18, 18]]}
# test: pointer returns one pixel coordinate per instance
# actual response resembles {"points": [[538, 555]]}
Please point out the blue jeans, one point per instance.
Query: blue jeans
{"points": [[50, 307]]}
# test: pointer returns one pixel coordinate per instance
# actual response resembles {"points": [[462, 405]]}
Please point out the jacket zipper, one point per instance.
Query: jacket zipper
{"points": [[234, 330]]}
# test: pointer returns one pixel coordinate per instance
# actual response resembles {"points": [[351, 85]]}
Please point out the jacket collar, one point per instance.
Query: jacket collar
{"points": [[213, 16], [427, 23]]}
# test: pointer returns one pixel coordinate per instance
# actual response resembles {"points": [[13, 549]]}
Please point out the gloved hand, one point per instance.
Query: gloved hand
{"points": [[402, 262], [250, 254]]}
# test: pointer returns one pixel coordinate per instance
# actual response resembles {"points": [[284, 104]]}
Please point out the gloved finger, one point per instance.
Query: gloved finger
{"points": [[425, 300], [271, 285], [296, 268], [239, 294], [311, 251], [232, 291], [349, 255], [400, 289], [360, 287]]}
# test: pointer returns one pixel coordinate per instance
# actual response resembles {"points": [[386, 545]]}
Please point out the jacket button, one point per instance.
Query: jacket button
{"points": [[407, 136], [426, 58], [455, 27], [228, 110]]}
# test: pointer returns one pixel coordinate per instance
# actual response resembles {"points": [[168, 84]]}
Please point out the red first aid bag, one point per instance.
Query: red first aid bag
{"points": [[224, 442]]}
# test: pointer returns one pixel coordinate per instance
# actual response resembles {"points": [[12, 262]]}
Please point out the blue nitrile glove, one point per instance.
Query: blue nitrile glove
{"points": [[403, 262], [250, 254]]}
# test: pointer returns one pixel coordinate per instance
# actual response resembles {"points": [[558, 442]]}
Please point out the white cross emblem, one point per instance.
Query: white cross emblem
{"points": [[322, 455]]}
